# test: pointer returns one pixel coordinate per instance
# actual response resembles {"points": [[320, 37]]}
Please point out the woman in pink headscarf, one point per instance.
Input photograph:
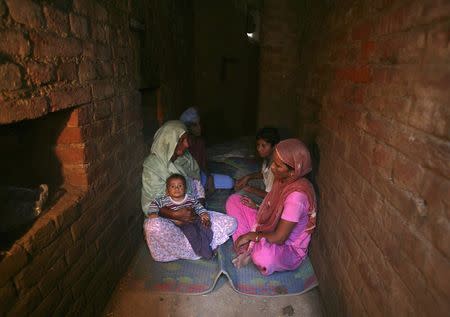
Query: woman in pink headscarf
{"points": [[276, 236]]}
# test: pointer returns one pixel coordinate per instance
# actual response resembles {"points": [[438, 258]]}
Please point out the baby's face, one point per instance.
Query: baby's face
{"points": [[176, 188]]}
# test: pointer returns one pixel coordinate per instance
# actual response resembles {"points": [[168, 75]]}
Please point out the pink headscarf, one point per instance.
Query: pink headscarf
{"points": [[296, 155]]}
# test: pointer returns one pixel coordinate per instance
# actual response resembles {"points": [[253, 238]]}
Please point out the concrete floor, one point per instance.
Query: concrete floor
{"points": [[129, 299]]}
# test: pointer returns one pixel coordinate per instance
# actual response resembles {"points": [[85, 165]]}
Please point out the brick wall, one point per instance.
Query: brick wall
{"points": [[226, 70], [75, 56], [169, 53], [378, 73], [279, 65]]}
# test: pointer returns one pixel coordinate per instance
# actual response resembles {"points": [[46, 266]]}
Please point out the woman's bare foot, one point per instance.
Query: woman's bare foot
{"points": [[241, 260]]}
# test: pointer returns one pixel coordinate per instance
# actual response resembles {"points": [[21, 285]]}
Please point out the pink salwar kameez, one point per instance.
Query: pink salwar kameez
{"points": [[270, 257]]}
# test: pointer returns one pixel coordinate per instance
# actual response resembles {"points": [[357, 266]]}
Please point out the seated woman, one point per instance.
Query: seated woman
{"points": [[276, 236], [168, 156], [197, 148], [266, 139]]}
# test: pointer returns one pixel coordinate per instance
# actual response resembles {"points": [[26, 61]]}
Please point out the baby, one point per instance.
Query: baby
{"points": [[198, 233]]}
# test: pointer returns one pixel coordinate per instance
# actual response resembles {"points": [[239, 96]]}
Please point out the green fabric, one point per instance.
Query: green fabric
{"points": [[158, 167]]}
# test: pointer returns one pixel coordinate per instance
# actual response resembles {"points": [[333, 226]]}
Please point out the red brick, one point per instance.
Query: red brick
{"points": [[404, 17], [71, 154], [433, 11], [367, 49], [401, 199], [39, 235], [13, 262], [83, 224], [14, 43], [99, 32], [354, 74], [52, 277], [383, 157], [85, 7], [442, 121], [379, 128], [34, 272], [102, 89], [81, 265], [402, 48], [407, 174], [48, 304], [391, 107], [89, 50], [41, 73], [75, 253], [70, 135], [27, 303], [80, 116], [362, 31], [100, 12], [65, 212], [51, 46], [79, 26], [76, 177], [103, 274], [102, 109], [10, 77], [436, 192], [13, 111], [104, 69], [57, 21], [434, 264], [430, 152], [118, 123], [438, 48], [8, 296], [2, 9], [87, 71], [67, 71], [408, 255], [78, 308], [79, 285], [63, 306], [26, 12], [436, 232], [69, 97], [97, 130]]}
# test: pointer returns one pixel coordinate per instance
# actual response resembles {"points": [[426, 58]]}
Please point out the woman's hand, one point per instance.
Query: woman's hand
{"points": [[248, 202], [241, 183], [204, 217], [185, 215]]}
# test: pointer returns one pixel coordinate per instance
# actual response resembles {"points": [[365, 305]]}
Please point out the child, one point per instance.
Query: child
{"points": [[198, 233], [266, 139]]}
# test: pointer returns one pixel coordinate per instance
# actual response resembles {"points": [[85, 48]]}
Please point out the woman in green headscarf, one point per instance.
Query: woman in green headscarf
{"points": [[169, 156]]}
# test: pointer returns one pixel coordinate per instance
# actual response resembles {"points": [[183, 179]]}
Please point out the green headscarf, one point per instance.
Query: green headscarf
{"points": [[158, 167]]}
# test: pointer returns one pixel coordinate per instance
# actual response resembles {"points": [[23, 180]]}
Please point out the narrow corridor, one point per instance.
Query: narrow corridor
{"points": [[84, 85]]}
